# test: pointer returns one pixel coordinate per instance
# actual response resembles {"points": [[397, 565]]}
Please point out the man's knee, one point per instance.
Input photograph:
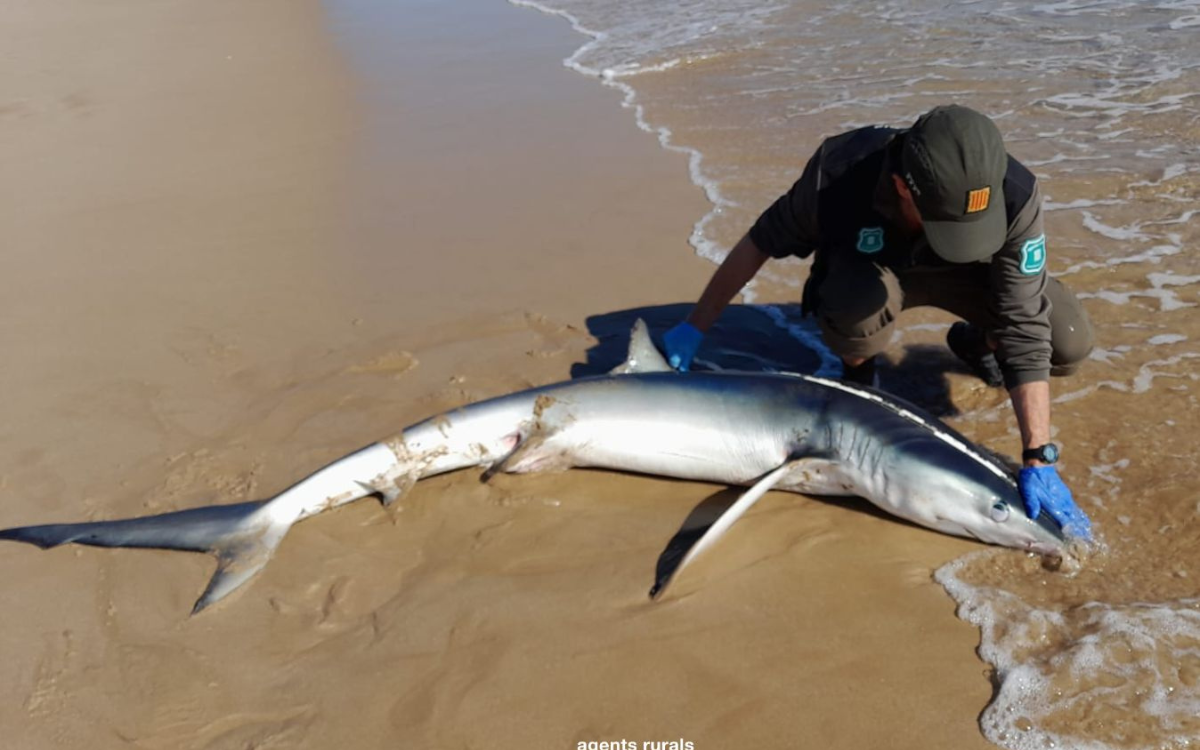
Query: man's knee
{"points": [[1069, 353], [1071, 335], [856, 339], [1072, 345], [857, 311]]}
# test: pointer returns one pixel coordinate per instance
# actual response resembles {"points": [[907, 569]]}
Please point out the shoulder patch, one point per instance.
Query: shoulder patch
{"points": [[1033, 255], [870, 240]]}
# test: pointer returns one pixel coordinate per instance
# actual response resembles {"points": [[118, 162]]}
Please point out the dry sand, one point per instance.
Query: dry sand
{"points": [[238, 246]]}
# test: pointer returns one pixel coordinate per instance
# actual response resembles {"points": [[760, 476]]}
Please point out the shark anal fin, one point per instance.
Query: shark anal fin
{"points": [[391, 490]]}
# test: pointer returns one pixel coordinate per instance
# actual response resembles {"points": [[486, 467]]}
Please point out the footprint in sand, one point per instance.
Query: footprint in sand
{"points": [[395, 363]]}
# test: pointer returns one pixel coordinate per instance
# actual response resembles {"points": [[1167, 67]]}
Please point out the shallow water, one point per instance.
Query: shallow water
{"points": [[1102, 101]]}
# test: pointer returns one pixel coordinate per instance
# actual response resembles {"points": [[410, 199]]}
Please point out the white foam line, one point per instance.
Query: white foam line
{"points": [[1174, 170], [877, 102], [1010, 629], [1082, 105], [1143, 381], [1166, 338], [633, 69], [1145, 377], [1183, 218], [1170, 172], [1049, 205], [1059, 158], [1075, 395], [611, 77], [944, 62], [1167, 300], [1132, 232], [831, 364], [1100, 354], [1153, 255], [1068, 8], [1104, 472], [1160, 280]]}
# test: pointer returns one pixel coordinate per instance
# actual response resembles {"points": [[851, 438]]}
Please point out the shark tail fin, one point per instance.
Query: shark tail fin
{"points": [[643, 355], [243, 538]]}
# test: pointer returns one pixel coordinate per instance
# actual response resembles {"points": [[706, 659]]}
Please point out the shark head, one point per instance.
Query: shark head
{"points": [[925, 471], [953, 487], [929, 473]]}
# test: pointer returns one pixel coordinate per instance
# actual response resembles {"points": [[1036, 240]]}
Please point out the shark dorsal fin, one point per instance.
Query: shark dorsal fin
{"points": [[643, 355]]}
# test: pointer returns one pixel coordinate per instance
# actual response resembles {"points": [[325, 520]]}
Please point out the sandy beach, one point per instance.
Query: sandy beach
{"points": [[245, 239]]}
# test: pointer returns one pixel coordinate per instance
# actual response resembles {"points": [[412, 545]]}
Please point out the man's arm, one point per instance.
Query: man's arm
{"points": [[742, 263], [1040, 485], [1018, 301], [788, 227], [1031, 402]]}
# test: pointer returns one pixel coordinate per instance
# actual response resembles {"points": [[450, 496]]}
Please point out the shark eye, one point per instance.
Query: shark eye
{"points": [[1000, 512]]}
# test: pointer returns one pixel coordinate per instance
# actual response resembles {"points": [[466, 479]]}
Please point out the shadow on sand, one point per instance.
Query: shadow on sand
{"points": [[750, 339]]}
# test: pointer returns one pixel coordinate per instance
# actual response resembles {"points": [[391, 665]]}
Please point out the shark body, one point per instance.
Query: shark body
{"points": [[768, 431]]}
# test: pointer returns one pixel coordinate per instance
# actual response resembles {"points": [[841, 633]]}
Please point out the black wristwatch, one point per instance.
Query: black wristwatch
{"points": [[1047, 454]]}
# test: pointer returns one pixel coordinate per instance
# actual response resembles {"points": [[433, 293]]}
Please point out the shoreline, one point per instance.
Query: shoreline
{"points": [[703, 246]]}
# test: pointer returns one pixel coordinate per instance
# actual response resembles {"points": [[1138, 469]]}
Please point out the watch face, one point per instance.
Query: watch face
{"points": [[1049, 453]]}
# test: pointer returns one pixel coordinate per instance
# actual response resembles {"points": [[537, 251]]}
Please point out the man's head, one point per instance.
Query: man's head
{"points": [[953, 164]]}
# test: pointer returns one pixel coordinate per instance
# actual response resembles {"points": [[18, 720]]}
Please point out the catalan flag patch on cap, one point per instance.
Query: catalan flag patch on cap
{"points": [[977, 200]]}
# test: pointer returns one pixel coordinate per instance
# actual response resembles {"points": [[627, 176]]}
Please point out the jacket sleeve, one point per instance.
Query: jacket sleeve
{"points": [[1018, 298], [789, 226]]}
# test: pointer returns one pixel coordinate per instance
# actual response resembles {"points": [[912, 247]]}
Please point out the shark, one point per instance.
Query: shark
{"points": [[765, 431]]}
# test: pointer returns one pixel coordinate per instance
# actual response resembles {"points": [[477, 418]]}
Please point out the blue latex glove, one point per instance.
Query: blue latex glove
{"points": [[1041, 487], [682, 341]]}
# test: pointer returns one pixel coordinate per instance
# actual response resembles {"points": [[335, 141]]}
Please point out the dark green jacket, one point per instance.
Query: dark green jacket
{"points": [[847, 188]]}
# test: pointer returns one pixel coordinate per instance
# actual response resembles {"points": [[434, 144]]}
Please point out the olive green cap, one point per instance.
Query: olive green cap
{"points": [[954, 164]]}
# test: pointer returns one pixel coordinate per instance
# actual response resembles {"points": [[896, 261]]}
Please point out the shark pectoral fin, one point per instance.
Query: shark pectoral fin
{"points": [[722, 524], [242, 537], [643, 355]]}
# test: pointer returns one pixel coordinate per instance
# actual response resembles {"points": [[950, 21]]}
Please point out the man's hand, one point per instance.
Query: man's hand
{"points": [[1041, 487], [682, 341]]}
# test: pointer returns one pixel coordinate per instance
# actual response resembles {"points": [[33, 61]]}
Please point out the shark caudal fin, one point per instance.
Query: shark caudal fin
{"points": [[242, 537], [643, 354]]}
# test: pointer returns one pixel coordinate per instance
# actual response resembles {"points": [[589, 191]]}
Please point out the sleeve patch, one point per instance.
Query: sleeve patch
{"points": [[1033, 255]]}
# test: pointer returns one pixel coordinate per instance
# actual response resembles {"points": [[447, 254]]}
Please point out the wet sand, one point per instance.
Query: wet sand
{"points": [[245, 240]]}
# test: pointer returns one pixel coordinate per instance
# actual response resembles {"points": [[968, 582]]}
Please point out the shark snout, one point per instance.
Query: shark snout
{"points": [[994, 521]]}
